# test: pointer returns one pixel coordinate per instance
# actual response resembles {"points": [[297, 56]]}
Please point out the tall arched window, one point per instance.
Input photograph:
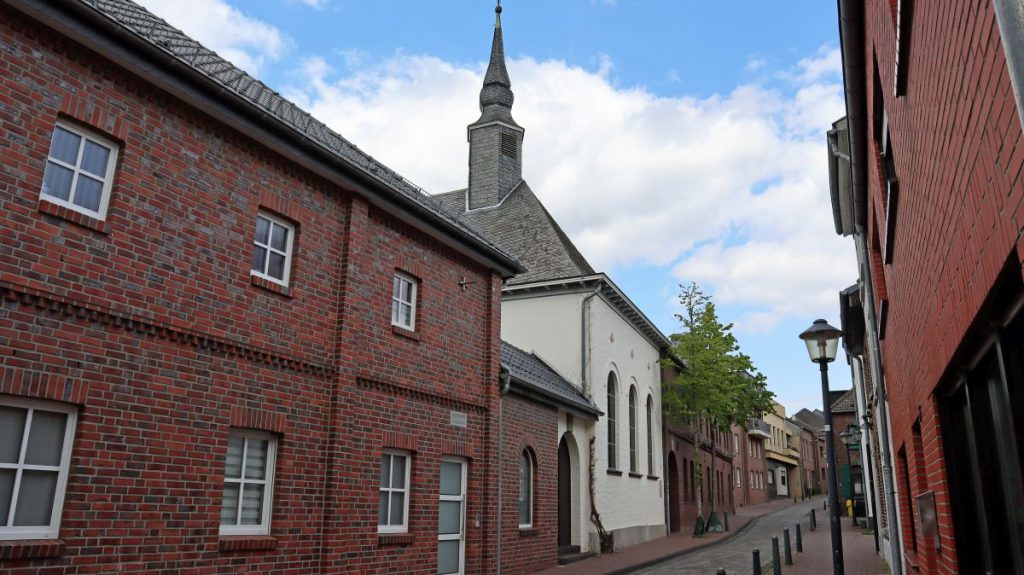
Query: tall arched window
{"points": [[632, 429], [650, 435], [613, 393], [525, 490]]}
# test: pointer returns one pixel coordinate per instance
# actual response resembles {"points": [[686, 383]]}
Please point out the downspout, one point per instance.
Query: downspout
{"points": [[585, 340], [882, 400], [505, 379], [1010, 17], [852, 47]]}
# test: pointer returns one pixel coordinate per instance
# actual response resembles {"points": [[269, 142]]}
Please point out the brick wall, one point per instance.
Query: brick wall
{"points": [[150, 323], [958, 149]]}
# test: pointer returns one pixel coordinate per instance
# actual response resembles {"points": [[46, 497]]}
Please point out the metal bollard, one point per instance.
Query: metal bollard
{"points": [[720, 572], [776, 563], [757, 561], [799, 540], [814, 521], [787, 548]]}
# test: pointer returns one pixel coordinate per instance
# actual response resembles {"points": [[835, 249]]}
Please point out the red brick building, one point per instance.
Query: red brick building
{"points": [[749, 483], [229, 340], [698, 482], [931, 188]]}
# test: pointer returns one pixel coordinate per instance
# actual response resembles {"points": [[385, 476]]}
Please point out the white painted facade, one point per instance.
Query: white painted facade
{"points": [[584, 337]]}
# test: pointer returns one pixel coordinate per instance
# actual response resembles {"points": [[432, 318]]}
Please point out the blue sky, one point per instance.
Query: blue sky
{"points": [[674, 140]]}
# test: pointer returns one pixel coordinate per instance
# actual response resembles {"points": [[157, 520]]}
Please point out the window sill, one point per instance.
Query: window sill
{"points": [[635, 475], [529, 532], [401, 331], [395, 538], [614, 471], [30, 549], [67, 214], [247, 542], [268, 285], [653, 477]]}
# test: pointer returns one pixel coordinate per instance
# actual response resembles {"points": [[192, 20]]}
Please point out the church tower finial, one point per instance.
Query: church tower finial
{"points": [[495, 140]]}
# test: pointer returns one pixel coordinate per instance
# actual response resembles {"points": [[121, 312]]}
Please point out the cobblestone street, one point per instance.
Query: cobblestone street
{"points": [[734, 554]]}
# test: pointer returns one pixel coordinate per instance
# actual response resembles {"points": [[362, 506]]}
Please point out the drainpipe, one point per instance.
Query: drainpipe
{"points": [[505, 378], [585, 339], [883, 413], [1010, 17]]}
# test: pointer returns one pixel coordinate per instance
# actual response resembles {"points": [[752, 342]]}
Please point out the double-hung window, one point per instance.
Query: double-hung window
{"points": [[79, 170], [403, 302], [393, 513], [248, 483], [35, 451], [272, 248]]}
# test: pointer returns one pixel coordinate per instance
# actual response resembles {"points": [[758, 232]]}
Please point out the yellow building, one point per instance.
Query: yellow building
{"points": [[781, 459]]}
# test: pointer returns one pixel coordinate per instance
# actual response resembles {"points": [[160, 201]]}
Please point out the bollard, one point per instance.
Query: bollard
{"points": [[787, 548], [814, 521], [757, 561], [725, 519], [776, 564], [799, 540], [720, 572]]}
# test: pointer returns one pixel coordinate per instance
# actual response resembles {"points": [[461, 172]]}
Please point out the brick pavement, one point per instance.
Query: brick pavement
{"points": [[637, 557]]}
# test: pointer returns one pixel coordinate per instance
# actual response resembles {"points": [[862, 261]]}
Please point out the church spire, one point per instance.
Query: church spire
{"points": [[495, 140]]}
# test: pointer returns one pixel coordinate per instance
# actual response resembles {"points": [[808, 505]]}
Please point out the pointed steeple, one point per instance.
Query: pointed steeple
{"points": [[495, 139], [496, 95]]}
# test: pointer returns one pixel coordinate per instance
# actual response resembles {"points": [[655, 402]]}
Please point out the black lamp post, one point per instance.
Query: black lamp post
{"points": [[850, 440], [822, 342]]}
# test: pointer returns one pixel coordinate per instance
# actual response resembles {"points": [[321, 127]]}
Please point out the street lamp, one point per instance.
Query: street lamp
{"points": [[822, 343], [850, 440]]}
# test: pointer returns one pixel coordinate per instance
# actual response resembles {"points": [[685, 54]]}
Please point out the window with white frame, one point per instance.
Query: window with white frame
{"points": [[739, 477], [79, 170], [632, 429], [403, 301], [272, 248], [525, 490], [393, 511], [35, 451], [248, 483]]}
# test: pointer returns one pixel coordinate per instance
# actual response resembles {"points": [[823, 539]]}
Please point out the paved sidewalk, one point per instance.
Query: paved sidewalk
{"points": [[644, 554], [859, 557]]}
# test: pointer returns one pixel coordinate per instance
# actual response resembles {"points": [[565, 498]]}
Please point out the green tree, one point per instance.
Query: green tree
{"points": [[719, 387]]}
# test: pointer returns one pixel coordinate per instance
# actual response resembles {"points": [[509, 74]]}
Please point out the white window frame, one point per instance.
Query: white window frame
{"points": [[108, 180], [529, 493], [407, 491], [280, 222], [268, 482], [52, 530], [396, 320]]}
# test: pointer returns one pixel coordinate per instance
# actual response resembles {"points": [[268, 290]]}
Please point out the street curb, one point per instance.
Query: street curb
{"points": [[683, 552]]}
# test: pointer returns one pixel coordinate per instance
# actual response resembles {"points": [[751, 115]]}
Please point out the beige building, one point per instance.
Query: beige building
{"points": [[781, 460]]}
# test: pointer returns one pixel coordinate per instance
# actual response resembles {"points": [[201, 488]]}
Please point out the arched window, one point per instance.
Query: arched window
{"points": [[525, 490], [650, 435], [632, 429], [613, 430]]}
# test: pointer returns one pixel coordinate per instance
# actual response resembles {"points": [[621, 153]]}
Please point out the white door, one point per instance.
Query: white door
{"points": [[451, 528], [783, 489]]}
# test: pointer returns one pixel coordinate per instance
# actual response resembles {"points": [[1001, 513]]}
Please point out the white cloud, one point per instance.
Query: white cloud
{"points": [[246, 42], [729, 190], [317, 4]]}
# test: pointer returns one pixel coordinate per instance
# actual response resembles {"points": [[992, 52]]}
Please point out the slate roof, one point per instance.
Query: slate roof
{"points": [[522, 226], [138, 21], [530, 371], [812, 419], [845, 404]]}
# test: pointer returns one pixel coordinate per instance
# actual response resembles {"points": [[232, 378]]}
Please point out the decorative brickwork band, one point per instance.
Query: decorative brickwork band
{"points": [[402, 441], [247, 543], [250, 418], [449, 447], [147, 327], [16, 381], [400, 389]]}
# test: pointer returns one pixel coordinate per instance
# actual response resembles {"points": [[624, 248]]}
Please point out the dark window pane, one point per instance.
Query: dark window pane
{"points": [[262, 229], [233, 460], [385, 470], [35, 498], [398, 472], [279, 237], [256, 459], [57, 181], [275, 269], [397, 508], [45, 438], [229, 507], [6, 491], [252, 504], [382, 510], [88, 193], [94, 159], [259, 259], [64, 146], [12, 425]]}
